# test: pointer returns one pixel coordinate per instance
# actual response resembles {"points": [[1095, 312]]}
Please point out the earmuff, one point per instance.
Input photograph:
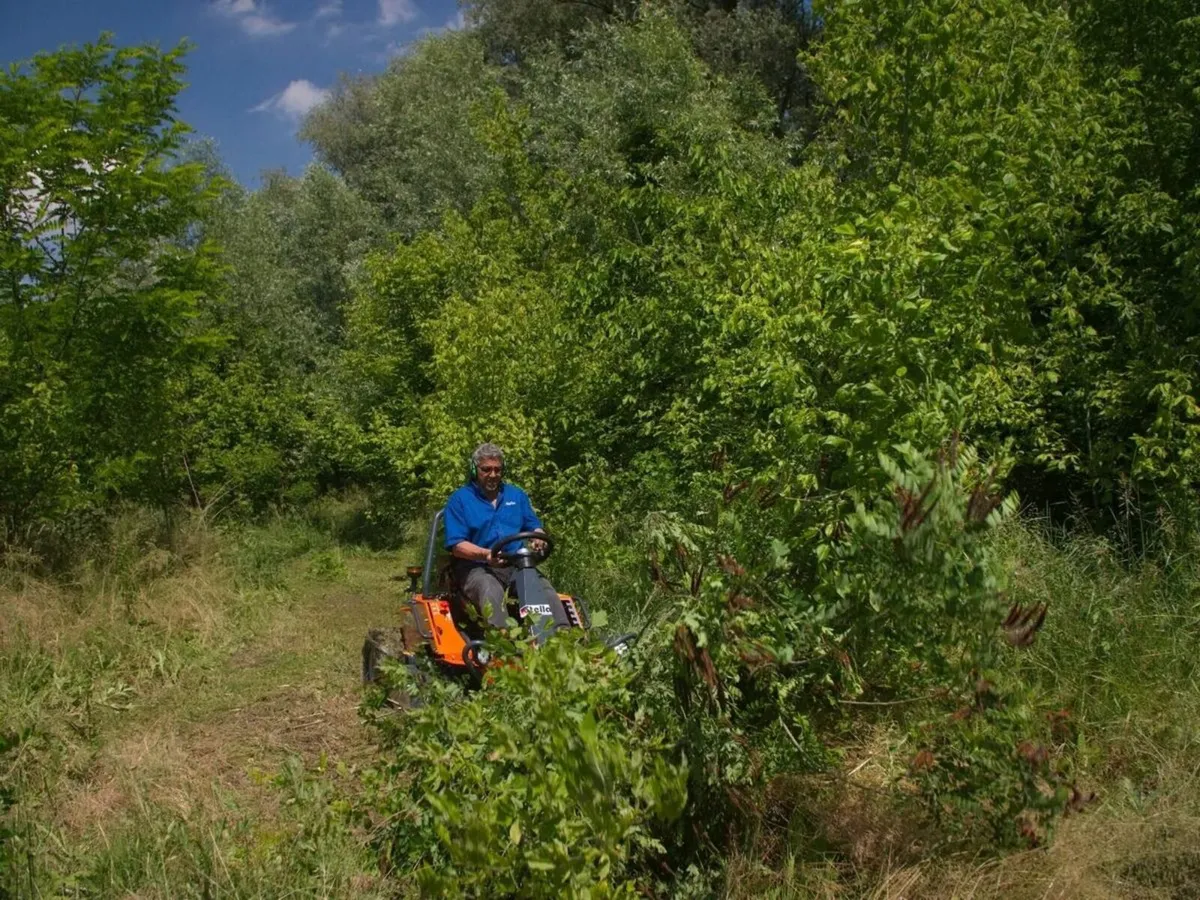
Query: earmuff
{"points": [[473, 469]]}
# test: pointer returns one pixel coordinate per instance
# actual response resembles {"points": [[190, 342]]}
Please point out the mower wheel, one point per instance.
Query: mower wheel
{"points": [[381, 644]]}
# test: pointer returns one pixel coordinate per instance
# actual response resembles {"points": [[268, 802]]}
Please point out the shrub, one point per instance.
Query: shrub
{"points": [[547, 782]]}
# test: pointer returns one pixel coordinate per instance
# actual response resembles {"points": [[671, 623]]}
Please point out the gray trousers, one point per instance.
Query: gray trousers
{"points": [[486, 587]]}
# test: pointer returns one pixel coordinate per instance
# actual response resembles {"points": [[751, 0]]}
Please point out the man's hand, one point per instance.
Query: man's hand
{"points": [[536, 545], [474, 553]]}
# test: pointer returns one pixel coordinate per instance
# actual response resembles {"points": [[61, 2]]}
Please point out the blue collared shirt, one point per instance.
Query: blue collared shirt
{"points": [[470, 515]]}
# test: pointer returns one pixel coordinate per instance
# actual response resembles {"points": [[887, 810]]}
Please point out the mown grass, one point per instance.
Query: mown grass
{"points": [[181, 714]]}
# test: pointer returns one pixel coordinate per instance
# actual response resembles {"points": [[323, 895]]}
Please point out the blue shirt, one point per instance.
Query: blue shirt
{"points": [[470, 515]]}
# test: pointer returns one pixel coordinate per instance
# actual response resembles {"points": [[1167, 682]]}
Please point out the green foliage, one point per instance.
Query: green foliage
{"points": [[328, 565], [758, 643], [790, 327], [1050, 223], [405, 141], [548, 781], [900, 598], [103, 279], [695, 316], [547, 279], [752, 42], [265, 420], [986, 773]]}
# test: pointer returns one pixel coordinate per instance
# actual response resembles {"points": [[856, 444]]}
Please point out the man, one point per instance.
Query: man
{"points": [[477, 515]]}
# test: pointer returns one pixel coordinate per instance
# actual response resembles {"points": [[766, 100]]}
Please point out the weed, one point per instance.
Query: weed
{"points": [[328, 565]]}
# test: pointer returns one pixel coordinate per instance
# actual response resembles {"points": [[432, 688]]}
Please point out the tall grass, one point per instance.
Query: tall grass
{"points": [[1118, 664], [1121, 648], [102, 666]]}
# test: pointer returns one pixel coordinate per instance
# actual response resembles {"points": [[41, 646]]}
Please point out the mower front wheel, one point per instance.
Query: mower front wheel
{"points": [[381, 644]]}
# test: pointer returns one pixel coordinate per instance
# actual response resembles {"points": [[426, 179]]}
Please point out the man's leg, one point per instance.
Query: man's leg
{"points": [[485, 589], [534, 589]]}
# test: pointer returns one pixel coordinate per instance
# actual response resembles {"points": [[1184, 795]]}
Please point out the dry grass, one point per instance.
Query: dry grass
{"points": [[177, 691], [1120, 850], [851, 826], [861, 844]]}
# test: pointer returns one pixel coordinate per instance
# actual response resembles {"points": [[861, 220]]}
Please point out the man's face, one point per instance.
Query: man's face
{"points": [[490, 471]]}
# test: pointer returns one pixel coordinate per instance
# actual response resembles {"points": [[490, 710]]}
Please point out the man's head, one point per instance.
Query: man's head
{"points": [[487, 465]]}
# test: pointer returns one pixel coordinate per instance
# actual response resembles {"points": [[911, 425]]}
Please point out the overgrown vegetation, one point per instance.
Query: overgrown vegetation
{"points": [[780, 312]]}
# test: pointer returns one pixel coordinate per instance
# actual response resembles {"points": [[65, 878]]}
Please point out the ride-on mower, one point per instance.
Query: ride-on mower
{"points": [[440, 624]]}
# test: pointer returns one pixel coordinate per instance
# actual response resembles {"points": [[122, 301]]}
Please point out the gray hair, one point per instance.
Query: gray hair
{"points": [[487, 451]]}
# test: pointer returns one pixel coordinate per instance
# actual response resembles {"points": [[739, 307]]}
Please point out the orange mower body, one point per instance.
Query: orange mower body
{"points": [[438, 623]]}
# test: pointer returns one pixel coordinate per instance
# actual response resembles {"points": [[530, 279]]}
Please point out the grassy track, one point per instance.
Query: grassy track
{"points": [[189, 733]]}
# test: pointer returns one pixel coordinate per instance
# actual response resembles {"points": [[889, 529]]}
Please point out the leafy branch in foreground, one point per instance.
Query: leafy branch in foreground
{"points": [[547, 782]]}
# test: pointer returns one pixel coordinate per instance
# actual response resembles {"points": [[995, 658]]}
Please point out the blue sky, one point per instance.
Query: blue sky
{"points": [[256, 66]]}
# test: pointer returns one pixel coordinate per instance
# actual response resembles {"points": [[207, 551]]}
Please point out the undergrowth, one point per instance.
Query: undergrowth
{"points": [[1116, 668], [109, 671]]}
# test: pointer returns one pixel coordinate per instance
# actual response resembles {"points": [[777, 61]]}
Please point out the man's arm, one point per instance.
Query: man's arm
{"points": [[457, 533], [531, 522], [473, 552]]}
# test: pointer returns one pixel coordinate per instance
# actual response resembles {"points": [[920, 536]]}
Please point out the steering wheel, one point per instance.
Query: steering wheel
{"points": [[525, 557]]}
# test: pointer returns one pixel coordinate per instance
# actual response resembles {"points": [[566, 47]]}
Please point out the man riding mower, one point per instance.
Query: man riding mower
{"points": [[496, 542]]}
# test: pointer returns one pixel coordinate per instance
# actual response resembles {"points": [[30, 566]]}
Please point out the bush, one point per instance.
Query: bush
{"points": [[547, 782]]}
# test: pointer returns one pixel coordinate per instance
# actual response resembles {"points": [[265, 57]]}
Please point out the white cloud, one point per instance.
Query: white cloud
{"points": [[329, 9], [265, 26], [393, 12], [253, 17], [234, 7], [295, 100]]}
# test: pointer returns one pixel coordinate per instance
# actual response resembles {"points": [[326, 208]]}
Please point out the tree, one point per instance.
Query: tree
{"points": [[103, 271], [264, 422], [404, 141], [753, 40]]}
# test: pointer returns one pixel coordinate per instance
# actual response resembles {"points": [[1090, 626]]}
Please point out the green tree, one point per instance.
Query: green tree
{"points": [[103, 273], [266, 420], [658, 311], [405, 141], [1053, 235]]}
